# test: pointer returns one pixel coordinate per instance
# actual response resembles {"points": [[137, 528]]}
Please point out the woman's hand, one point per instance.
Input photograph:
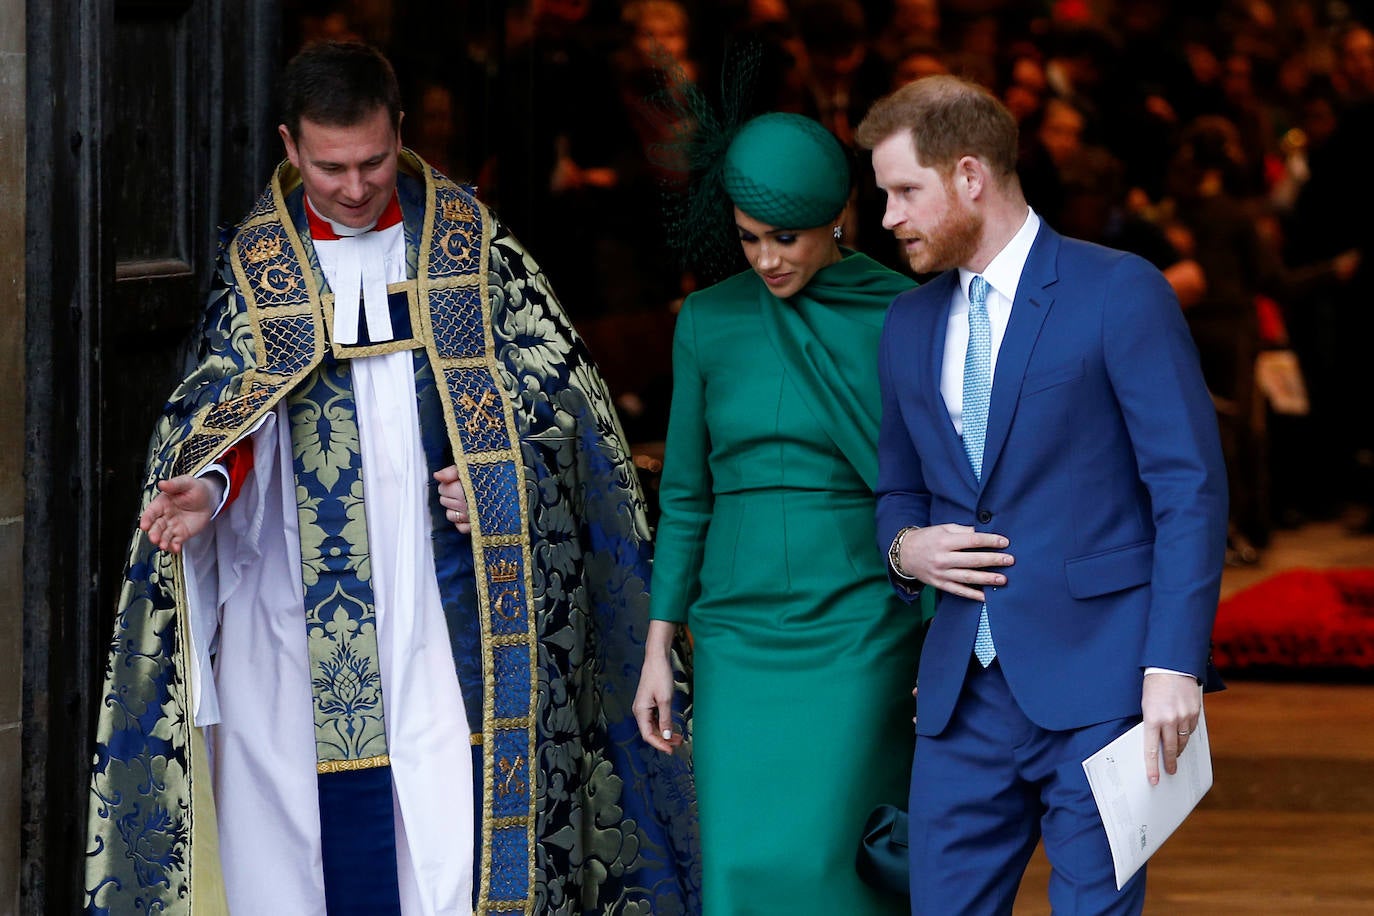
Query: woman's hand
{"points": [[653, 705]]}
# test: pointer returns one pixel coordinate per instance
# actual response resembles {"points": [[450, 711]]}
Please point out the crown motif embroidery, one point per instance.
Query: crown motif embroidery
{"points": [[264, 249], [504, 571], [456, 209]]}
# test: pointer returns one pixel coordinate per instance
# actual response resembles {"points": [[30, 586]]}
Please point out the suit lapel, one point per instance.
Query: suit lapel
{"points": [[943, 288], [1028, 312]]}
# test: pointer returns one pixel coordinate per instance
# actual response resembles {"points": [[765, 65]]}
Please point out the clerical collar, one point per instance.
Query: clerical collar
{"points": [[324, 229], [354, 261]]}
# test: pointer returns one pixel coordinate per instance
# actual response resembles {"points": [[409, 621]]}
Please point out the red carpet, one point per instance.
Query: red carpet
{"points": [[1299, 623]]}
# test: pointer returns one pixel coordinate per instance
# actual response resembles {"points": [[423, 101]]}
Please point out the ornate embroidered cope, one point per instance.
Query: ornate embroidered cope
{"points": [[530, 426], [455, 330]]}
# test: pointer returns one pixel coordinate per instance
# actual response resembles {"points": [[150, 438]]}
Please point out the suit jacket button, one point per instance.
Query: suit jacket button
{"points": [[984, 516]]}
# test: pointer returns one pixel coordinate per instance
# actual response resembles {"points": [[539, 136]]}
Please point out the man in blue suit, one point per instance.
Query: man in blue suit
{"points": [[1049, 460]]}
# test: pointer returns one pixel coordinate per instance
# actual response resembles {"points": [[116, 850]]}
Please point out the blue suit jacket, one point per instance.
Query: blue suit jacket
{"points": [[1102, 467]]}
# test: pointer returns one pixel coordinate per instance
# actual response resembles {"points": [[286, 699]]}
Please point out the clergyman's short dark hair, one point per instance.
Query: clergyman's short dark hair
{"points": [[338, 83]]}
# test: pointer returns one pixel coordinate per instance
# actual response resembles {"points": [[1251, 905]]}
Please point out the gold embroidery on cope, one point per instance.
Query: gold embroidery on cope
{"points": [[275, 274], [508, 605], [510, 777], [456, 209], [361, 763], [504, 571], [263, 250], [458, 240], [468, 247], [480, 413]]}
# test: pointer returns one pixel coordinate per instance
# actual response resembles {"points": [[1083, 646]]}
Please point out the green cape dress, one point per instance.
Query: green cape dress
{"points": [[804, 658]]}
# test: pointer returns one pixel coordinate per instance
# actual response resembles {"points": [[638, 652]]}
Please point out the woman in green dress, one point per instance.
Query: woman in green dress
{"points": [[804, 660]]}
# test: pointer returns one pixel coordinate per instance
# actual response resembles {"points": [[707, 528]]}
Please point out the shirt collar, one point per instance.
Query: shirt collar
{"points": [[1003, 272]]}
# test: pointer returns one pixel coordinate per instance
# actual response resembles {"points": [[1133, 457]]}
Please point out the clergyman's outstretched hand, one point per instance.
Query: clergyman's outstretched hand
{"points": [[180, 511]]}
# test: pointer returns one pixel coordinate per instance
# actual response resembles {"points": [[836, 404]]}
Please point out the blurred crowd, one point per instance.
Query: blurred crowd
{"points": [[1219, 139]]}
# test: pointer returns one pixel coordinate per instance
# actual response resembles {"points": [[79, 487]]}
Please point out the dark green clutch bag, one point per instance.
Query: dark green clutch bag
{"points": [[882, 858]]}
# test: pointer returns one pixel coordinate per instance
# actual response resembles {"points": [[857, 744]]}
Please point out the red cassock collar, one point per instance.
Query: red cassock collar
{"points": [[322, 231]]}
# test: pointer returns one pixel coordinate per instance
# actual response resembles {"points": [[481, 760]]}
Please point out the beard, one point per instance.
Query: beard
{"points": [[950, 242]]}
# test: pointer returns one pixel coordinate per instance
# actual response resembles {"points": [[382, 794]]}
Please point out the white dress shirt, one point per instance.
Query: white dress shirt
{"points": [[1003, 274]]}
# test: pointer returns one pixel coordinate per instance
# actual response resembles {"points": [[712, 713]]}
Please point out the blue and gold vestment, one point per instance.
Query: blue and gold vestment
{"points": [[546, 604]]}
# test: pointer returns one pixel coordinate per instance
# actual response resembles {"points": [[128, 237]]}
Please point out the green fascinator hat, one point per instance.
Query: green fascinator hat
{"points": [[787, 170]]}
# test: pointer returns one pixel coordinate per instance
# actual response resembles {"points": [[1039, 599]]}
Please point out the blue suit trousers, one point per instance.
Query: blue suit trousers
{"points": [[992, 784]]}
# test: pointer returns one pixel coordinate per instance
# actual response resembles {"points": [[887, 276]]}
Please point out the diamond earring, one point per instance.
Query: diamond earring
{"points": [[838, 233]]}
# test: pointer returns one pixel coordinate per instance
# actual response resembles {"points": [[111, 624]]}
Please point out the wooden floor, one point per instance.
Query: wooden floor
{"points": [[1288, 827]]}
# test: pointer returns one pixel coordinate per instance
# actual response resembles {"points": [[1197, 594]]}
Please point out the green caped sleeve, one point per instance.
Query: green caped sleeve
{"points": [[685, 497]]}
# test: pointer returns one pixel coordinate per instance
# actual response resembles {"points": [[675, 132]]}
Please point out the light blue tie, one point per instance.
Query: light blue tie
{"points": [[977, 392]]}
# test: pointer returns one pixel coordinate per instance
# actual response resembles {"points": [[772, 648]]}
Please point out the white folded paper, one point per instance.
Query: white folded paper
{"points": [[1139, 817]]}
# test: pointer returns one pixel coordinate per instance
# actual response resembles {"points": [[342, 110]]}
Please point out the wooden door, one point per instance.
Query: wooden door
{"points": [[151, 123]]}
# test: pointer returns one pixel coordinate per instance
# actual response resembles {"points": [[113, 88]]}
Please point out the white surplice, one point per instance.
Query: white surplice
{"points": [[250, 662]]}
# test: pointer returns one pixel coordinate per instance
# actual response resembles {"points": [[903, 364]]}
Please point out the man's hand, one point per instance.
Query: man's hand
{"points": [[653, 703], [1170, 704], [954, 558], [453, 499], [180, 511]]}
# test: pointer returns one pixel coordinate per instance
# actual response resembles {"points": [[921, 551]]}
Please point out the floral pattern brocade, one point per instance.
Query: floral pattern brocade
{"points": [[610, 811], [615, 828]]}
